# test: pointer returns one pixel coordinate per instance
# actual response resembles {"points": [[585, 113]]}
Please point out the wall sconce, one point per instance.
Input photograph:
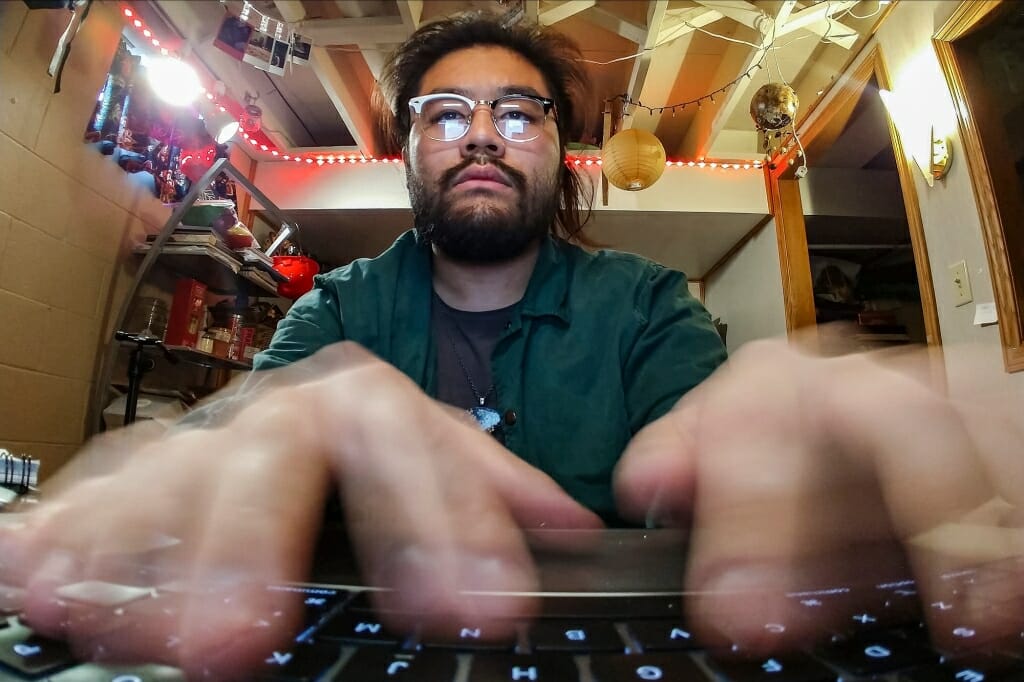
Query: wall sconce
{"points": [[932, 154]]}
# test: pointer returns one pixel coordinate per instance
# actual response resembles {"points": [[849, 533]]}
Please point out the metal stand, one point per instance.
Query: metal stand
{"points": [[138, 365]]}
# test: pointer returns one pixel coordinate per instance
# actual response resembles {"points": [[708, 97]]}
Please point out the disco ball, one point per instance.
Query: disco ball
{"points": [[774, 106]]}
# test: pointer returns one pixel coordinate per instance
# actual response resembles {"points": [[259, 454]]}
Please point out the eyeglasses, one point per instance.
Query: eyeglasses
{"points": [[446, 117]]}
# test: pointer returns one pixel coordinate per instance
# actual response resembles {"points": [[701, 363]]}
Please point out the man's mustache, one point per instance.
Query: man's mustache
{"points": [[517, 178]]}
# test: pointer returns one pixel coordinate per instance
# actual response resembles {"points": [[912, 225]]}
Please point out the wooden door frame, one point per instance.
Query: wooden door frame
{"points": [[784, 201], [1001, 263]]}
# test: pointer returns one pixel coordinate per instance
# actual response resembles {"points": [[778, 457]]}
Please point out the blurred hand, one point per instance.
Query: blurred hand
{"points": [[211, 516], [802, 474]]}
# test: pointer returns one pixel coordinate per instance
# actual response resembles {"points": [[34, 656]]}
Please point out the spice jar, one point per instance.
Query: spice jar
{"points": [[221, 340]]}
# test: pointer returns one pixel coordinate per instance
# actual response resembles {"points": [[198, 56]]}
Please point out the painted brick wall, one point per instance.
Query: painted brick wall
{"points": [[68, 216]]}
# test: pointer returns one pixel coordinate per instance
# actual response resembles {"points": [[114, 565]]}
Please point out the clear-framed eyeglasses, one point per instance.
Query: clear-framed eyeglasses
{"points": [[446, 117]]}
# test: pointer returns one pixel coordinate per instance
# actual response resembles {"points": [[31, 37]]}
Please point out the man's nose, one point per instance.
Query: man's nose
{"points": [[482, 134]]}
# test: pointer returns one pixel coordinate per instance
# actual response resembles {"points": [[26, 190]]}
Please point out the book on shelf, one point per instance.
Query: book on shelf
{"points": [[177, 237], [255, 255], [217, 252], [259, 277]]}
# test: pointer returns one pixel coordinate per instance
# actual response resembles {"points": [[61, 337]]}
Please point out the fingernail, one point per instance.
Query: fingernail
{"points": [[494, 574], [59, 568]]}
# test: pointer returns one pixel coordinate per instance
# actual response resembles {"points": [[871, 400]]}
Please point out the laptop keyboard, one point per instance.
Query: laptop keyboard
{"points": [[576, 639]]}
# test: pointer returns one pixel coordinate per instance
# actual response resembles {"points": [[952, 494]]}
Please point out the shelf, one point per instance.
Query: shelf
{"points": [[221, 272], [198, 357]]}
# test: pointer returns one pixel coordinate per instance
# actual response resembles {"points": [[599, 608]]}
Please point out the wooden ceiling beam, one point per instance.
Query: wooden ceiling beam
{"points": [[345, 93], [562, 11], [531, 11], [610, 21], [818, 20], [655, 16], [711, 120], [740, 11], [411, 12], [368, 31], [678, 27], [348, 97]]}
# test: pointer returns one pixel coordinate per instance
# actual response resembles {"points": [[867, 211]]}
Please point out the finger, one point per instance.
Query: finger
{"points": [[259, 529], [774, 504], [655, 477], [425, 519], [131, 528]]}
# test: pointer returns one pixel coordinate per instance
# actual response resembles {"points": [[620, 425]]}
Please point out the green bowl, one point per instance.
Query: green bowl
{"points": [[205, 214]]}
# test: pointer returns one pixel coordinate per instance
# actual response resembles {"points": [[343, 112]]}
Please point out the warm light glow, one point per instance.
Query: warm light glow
{"points": [[137, 23], [146, 32], [919, 132], [156, 43], [173, 81], [128, 13], [274, 152]]}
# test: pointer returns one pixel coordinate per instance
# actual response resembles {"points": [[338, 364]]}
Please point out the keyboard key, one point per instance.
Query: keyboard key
{"points": [[791, 667], [662, 635], [876, 655], [510, 667], [302, 664], [469, 638], [973, 669], [607, 668], [31, 654], [92, 672], [611, 607], [318, 601], [376, 664], [354, 629], [579, 636]]}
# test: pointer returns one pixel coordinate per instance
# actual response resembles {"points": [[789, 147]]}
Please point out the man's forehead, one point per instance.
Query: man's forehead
{"points": [[484, 72]]}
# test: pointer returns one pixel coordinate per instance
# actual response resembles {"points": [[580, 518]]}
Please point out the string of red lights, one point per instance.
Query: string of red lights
{"points": [[262, 143]]}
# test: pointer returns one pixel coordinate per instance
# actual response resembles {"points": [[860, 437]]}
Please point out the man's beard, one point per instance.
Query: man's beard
{"points": [[483, 233]]}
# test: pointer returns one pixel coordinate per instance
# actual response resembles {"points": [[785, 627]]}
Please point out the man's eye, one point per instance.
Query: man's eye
{"points": [[517, 115], [448, 117]]}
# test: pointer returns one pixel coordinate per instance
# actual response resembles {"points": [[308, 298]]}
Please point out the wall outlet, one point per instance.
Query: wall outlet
{"points": [[961, 284]]}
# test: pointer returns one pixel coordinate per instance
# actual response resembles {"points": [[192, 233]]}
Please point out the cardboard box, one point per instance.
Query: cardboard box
{"points": [[188, 311]]}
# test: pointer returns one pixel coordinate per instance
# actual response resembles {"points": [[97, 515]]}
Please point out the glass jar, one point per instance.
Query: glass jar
{"points": [[221, 337]]}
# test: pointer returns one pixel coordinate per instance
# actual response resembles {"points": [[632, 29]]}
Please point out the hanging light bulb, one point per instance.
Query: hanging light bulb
{"points": [[173, 81]]}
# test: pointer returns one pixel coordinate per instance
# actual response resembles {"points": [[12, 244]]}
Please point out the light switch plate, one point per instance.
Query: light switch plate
{"points": [[961, 284]]}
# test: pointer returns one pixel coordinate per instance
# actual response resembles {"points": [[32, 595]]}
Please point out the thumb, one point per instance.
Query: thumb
{"points": [[654, 481]]}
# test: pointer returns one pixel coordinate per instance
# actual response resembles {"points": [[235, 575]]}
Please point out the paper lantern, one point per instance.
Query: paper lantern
{"points": [[633, 159]]}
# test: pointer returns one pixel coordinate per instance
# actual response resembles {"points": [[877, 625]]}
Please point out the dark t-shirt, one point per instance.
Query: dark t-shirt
{"points": [[469, 337]]}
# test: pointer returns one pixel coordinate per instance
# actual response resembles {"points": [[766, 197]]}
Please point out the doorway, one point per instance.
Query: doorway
{"points": [[855, 250]]}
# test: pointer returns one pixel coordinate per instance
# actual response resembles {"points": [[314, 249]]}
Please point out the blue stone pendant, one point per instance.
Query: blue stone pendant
{"points": [[488, 418]]}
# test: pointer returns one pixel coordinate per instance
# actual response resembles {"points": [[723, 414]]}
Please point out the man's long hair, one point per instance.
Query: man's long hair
{"points": [[553, 54]]}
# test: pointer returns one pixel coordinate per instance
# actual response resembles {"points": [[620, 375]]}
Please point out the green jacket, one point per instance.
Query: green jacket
{"points": [[600, 345]]}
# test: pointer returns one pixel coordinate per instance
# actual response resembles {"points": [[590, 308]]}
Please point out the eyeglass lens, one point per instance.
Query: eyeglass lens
{"points": [[517, 118]]}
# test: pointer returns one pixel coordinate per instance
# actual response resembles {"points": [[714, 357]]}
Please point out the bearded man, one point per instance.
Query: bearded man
{"points": [[491, 304]]}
